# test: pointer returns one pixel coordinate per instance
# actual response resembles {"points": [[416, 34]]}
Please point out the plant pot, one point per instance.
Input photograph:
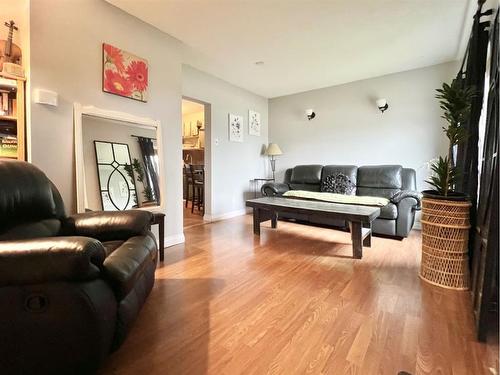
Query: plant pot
{"points": [[445, 234], [452, 196]]}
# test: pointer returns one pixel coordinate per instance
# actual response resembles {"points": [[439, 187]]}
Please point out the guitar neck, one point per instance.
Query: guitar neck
{"points": [[8, 43]]}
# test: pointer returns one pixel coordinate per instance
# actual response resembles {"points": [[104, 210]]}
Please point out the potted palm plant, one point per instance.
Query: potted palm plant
{"points": [[455, 100], [139, 171], [445, 212]]}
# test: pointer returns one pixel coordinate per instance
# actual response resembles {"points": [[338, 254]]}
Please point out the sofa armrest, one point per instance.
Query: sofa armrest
{"points": [[109, 225], [50, 259], [406, 216], [404, 194], [271, 189]]}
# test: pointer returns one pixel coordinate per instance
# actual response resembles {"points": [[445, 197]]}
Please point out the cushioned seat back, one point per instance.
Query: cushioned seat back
{"points": [[379, 180], [30, 206], [351, 171], [408, 179], [306, 177]]}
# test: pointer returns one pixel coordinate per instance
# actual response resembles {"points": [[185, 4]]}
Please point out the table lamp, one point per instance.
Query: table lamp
{"points": [[273, 150]]}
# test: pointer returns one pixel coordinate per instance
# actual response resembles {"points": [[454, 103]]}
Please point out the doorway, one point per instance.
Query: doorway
{"points": [[195, 121]]}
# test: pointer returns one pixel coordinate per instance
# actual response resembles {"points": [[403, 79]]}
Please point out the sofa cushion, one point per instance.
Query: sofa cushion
{"points": [[306, 174], [389, 211], [379, 180], [377, 192], [380, 176]]}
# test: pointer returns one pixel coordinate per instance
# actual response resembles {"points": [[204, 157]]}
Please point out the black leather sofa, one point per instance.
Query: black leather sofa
{"points": [[70, 287], [393, 182]]}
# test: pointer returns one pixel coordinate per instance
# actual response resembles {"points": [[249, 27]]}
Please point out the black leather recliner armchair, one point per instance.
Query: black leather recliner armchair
{"points": [[70, 287]]}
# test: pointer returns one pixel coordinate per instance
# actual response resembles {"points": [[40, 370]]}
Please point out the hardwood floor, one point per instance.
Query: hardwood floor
{"points": [[294, 302], [192, 219]]}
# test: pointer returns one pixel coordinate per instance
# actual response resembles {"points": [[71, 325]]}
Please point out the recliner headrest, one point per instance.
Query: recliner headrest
{"points": [[25, 194]]}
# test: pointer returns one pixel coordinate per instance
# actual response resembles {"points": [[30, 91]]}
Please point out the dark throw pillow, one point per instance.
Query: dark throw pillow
{"points": [[338, 183]]}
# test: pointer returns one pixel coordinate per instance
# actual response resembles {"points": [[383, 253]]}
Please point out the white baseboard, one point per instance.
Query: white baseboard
{"points": [[227, 215], [174, 239]]}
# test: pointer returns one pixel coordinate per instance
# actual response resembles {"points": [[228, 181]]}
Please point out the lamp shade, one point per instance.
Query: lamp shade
{"points": [[273, 149]]}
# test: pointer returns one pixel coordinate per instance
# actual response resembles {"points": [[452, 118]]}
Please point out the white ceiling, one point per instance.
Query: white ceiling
{"points": [[308, 44]]}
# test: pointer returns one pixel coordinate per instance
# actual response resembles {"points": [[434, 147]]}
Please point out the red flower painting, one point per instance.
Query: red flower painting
{"points": [[124, 73], [117, 84], [138, 74]]}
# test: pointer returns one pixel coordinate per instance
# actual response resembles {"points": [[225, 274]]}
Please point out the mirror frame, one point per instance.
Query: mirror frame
{"points": [[78, 112]]}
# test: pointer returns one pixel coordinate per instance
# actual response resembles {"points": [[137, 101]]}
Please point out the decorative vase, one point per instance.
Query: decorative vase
{"points": [[445, 235]]}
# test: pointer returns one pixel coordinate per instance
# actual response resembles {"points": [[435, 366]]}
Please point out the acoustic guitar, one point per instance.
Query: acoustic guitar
{"points": [[9, 52]]}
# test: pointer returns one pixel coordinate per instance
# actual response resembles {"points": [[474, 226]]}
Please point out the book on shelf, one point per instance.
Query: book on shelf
{"points": [[8, 145], [8, 104]]}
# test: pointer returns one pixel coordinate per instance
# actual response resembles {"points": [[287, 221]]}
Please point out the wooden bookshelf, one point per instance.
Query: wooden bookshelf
{"points": [[12, 116]]}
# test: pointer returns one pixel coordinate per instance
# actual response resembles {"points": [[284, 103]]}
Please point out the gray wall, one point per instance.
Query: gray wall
{"points": [[66, 57], [233, 164], [349, 129]]}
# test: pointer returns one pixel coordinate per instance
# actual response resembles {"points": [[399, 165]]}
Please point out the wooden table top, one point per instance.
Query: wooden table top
{"points": [[345, 211]]}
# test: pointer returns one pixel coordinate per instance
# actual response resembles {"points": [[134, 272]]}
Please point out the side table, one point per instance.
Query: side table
{"points": [[256, 184], [159, 218]]}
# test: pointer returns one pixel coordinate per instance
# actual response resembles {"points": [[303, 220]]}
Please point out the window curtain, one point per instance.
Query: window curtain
{"points": [[151, 168], [471, 74]]}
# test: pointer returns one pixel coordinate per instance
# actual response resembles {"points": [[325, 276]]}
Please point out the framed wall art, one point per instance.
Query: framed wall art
{"points": [[235, 128], [124, 74], [253, 123]]}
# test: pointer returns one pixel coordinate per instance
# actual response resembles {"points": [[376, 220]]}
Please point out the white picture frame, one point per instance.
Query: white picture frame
{"points": [[254, 123], [235, 128]]}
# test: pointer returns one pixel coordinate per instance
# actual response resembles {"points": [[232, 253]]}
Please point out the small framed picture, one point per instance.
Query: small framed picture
{"points": [[235, 128], [253, 123]]}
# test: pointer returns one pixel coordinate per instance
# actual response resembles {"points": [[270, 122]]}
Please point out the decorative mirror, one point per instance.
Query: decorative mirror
{"points": [[116, 178], [117, 160]]}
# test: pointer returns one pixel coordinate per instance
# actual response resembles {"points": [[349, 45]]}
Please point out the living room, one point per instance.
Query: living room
{"points": [[333, 104]]}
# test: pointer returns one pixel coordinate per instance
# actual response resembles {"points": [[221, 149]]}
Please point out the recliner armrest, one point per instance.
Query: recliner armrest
{"points": [[404, 194], [125, 265], [270, 189], [50, 259], [109, 225]]}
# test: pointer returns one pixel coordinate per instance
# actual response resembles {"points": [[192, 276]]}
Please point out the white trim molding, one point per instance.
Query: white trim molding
{"points": [[174, 239], [227, 215]]}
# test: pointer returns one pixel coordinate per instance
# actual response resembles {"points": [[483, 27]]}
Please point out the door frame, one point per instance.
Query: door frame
{"points": [[207, 157]]}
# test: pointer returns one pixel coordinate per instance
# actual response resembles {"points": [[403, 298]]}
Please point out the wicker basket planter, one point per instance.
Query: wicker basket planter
{"points": [[445, 233]]}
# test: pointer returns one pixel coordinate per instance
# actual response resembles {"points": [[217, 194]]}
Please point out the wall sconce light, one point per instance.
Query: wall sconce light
{"points": [[382, 105], [310, 114]]}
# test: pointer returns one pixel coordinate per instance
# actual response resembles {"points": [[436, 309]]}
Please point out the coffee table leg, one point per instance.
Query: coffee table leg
{"points": [[357, 242], [256, 221], [368, 239], [274, 220]]}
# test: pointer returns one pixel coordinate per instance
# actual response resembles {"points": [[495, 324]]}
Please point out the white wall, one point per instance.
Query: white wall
{"points": [[233, 164], [349, 129], [66, 57]]}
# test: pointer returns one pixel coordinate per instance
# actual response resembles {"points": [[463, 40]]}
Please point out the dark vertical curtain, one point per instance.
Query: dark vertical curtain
{"points": [[148, 158], [472, 74], [485, 254]]}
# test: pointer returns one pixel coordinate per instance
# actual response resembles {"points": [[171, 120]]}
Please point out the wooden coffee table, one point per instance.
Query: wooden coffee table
{"points": [[360, 218]]}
